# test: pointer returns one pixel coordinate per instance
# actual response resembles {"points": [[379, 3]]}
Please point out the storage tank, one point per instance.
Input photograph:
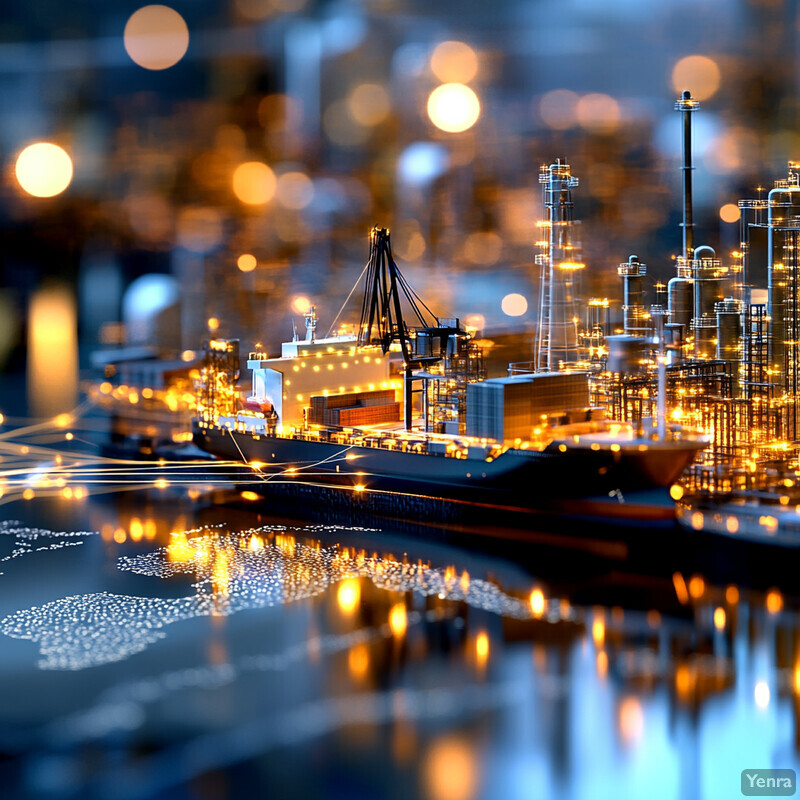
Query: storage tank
{"points": [[680, 299]]}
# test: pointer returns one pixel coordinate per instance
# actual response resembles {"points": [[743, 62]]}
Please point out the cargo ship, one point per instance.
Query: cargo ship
{"points": [[406, 411]]}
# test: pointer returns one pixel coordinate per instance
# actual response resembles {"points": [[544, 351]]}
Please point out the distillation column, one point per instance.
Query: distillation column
{"points": [[783, 237], [558, 328], [632, 273]]}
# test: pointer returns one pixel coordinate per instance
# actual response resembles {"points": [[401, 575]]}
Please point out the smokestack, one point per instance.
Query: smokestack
{"points": [[687, 104]]}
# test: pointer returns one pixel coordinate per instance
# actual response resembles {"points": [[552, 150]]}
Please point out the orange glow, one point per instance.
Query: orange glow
{"points": [[179, 549], [699, 74], [454, 62], [156, 37], [482, 648], [255, 543], [348, 595], [729, 212], [453, 107], [774, 601], [683, 681], [254, 183], [598, 632], [450, 770], [680, 588], [301, 304], [43, 169], [358, 661], [251, 496], [732, 595], [136, 529], [697, 587], [398, 619], [719, 618], [602, 663], [537, 602], [246, 262]]}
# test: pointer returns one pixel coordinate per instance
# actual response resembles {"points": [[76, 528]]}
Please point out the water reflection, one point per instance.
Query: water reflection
{"points": [[476, 677]]}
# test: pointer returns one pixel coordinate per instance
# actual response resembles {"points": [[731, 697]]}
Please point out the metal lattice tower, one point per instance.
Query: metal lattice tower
{"points": [[557, 343]]}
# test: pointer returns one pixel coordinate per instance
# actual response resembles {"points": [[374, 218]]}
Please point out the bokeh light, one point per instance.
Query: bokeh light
{"points": [[761, 694], [246, 262], [598, 112], [454, 62], [369, 104], [156, 37], [729, 212], [254, 183], [301, 304], [294, 190], [451, 770], [514, 305], [699, 74], [453, 107], [44, 169], [559, 109]]}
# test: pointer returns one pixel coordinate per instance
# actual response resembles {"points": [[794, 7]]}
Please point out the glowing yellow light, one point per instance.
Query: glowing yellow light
{"points": [[536, 601], [454, 62], [187, 355], [156, 37], [398, 619], [729, 212], [598, 632], [251, 496], [28, 494], [301, 304], [136, 529], [348, 595], [482, 647], [120, 536], [732, 524], [514, 305], [213, 323], [161, 483], [255, 543], [453, 107], [719, 618], [246, 262], [43, 169], [254, 183], [179, 548], [698, 74], [676, 492]]}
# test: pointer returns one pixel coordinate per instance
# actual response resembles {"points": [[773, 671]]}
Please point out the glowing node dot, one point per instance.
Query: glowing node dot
{"points": [[246, 262], [156, 37], [453, 107], [43, 169], [514, 305]]}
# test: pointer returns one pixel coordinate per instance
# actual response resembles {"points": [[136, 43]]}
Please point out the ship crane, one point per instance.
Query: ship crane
{"points": [[382, 319]]}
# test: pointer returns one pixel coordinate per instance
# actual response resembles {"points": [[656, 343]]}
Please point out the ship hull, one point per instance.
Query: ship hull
{"points": [[580, 481]]}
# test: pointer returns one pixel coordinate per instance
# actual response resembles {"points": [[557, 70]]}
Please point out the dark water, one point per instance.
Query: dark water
{"points": [[260, 656]]}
